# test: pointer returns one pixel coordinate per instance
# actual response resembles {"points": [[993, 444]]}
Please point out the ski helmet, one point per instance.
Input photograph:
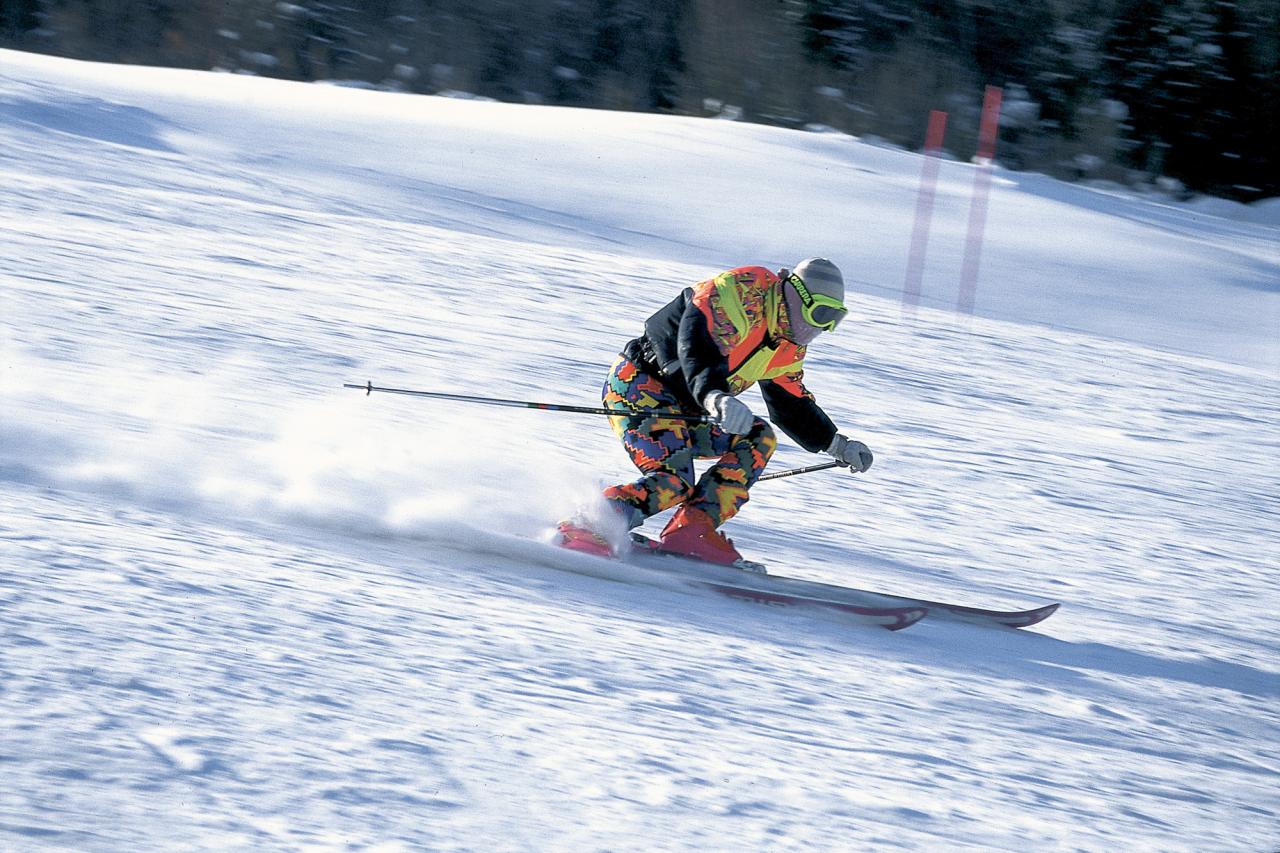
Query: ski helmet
{"points": [[814, 294]]}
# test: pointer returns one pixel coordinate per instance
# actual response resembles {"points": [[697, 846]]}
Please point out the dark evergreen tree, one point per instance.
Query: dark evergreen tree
{"points": [[18, 18], [849, 34], [1169, 63], [635, 58], [1005, 36], [500, 68]]}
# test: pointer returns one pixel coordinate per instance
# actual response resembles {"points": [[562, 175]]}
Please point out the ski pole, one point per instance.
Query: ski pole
{"points": [[368, 388], [793, 471]]}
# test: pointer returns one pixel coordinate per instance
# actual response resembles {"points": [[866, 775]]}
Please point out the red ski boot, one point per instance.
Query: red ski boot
{"points": [[690, 533]]}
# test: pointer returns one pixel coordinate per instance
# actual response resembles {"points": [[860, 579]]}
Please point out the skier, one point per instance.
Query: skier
{"points": [[697, 354]]}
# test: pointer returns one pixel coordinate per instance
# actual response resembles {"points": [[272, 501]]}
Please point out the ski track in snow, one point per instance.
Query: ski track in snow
{"points": [[164, 677], [242, 608]]}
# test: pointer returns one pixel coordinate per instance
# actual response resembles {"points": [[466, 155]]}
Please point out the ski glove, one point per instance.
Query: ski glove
{"points": [[731, 414], [855, 454]]}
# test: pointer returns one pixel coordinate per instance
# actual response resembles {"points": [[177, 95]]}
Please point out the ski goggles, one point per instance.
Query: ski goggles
{"points": [[820, 311]]}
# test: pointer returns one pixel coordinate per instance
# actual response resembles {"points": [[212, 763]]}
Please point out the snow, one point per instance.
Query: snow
{"points": [[244, 608]]}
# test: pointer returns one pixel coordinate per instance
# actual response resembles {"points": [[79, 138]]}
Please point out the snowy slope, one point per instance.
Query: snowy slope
{"points": [[242, 608]]}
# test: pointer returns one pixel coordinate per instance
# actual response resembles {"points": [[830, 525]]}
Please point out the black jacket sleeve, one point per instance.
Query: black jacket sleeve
{"points": [[705, 369], [799, 417]]}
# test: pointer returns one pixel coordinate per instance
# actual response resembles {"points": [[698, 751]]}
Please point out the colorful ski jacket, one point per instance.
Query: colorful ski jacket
{"points": [[726, 334]]}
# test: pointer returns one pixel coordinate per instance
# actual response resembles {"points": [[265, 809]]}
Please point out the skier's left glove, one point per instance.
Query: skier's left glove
{"points": [[855, 454], [729, 413]]}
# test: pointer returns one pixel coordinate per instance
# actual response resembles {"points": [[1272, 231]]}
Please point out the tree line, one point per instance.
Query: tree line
{"points": [[1183, 92]]}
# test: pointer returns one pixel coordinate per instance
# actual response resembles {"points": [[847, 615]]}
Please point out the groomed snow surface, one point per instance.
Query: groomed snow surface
{"points": [[242, 608]]}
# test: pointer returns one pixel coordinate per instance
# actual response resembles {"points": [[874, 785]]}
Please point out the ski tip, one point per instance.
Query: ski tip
{"points": [[908, 617], [980, 616], [1033, 617]]}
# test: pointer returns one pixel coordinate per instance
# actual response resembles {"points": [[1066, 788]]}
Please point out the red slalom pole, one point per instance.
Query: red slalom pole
{"points": [[987, 134], [914, 285]]}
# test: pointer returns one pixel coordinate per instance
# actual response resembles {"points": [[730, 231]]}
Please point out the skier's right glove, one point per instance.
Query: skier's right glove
{"points": [[855, 454], [730, 414]]}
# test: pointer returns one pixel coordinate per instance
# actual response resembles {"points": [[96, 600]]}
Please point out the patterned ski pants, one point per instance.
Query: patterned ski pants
{"points": [[664, 451]]}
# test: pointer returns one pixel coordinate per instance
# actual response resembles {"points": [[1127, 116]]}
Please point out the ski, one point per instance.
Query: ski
{"points": [[750, 583], [859, 597], [965, 613]]}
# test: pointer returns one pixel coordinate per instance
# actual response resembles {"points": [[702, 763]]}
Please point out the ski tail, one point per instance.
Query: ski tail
{"points": [[575, 537]]}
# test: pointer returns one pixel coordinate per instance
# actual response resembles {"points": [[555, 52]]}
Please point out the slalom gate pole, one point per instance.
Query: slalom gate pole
{"points": [[794, 471], [914, 285], [369, 388], [988, 133]]}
